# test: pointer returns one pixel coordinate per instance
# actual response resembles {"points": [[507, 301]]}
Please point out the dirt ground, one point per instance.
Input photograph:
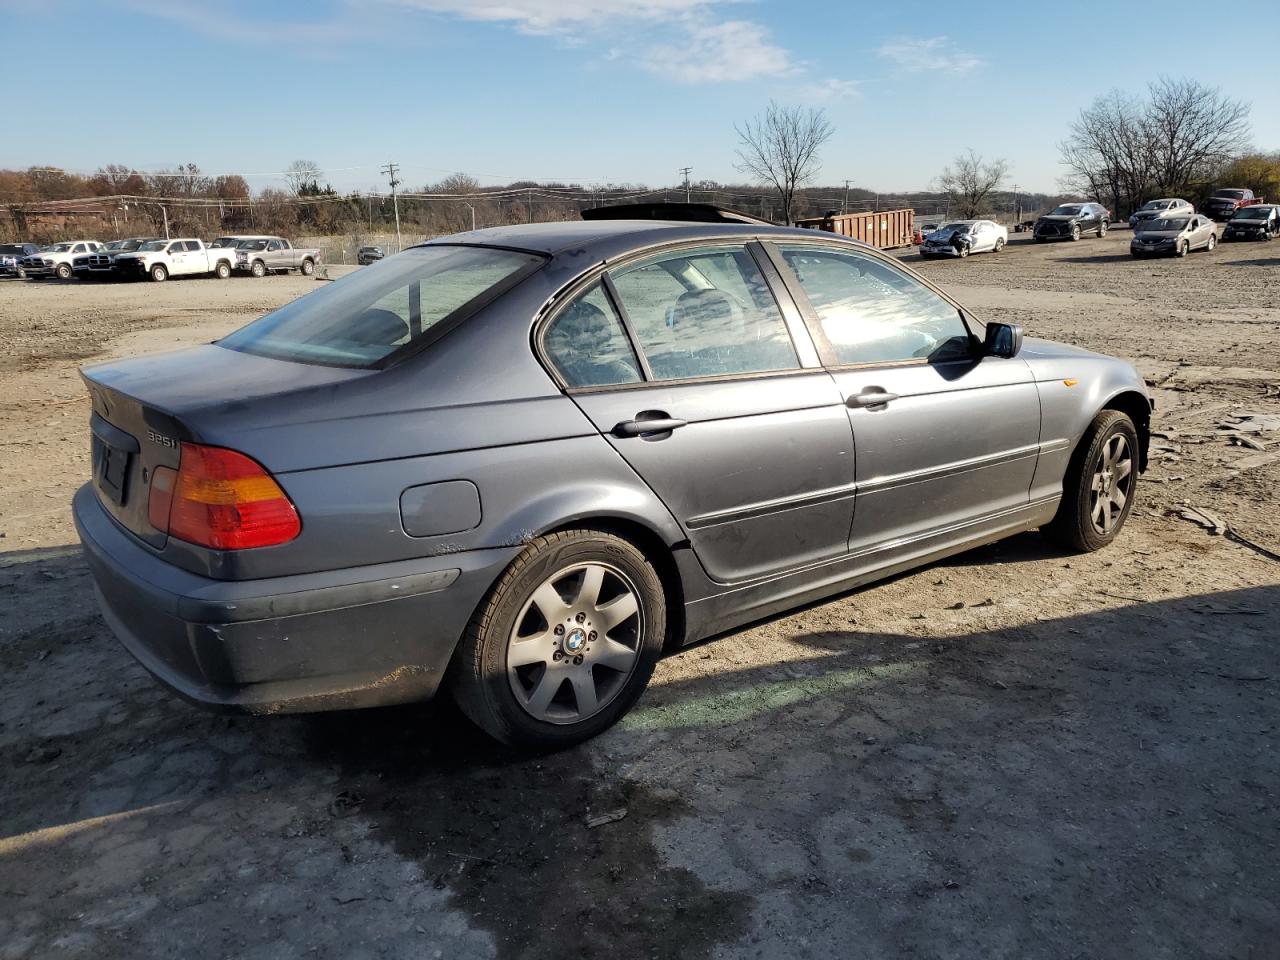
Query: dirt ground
{"points": [[1017, 753]]}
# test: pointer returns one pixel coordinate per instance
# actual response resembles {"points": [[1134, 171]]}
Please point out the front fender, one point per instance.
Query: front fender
{"points": [[1073, 389]]}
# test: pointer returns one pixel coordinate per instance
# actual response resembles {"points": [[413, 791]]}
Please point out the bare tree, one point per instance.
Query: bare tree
{"points": [[780, 147], [1125, 150], [969, 181], [302, 175]]}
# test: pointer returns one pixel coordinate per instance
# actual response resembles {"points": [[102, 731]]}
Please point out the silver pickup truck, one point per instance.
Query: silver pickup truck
{"points": [[262, 255]]}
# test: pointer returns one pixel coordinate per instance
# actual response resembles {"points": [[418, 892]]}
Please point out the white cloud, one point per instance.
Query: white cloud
{"points": [[558, 16], [733, 50], [929, 54], [832, 88]]}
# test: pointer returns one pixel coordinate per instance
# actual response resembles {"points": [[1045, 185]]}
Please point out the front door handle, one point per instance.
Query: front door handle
{"points": [[647, 423], [871, 397]]}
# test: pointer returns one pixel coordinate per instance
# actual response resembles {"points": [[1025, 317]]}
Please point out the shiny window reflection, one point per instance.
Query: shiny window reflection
{"points": [[873, 313]]}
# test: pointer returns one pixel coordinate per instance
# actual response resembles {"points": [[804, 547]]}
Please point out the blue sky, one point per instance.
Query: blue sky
{"points": [[591, 90]]}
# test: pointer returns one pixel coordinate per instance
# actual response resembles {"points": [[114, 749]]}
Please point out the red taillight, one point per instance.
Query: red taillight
{"points": [[221, 499]]}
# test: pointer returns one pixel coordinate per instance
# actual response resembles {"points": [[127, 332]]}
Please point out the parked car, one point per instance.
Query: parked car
{"points": [[1225, 203], [1174, 236], [1155, 209], [11, 255], [263, 255], [368, 255], [101, 265], [55, 259], [461, 469], [1071, 220], [1261, 221], [184, 257], [959, 238]]}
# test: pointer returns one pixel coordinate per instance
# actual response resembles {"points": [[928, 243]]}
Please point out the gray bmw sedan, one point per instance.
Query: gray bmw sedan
{"points": [[517, 463]]}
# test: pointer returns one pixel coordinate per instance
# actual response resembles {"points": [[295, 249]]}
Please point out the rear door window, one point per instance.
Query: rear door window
{"points": [[705, 313], [365, 316]]}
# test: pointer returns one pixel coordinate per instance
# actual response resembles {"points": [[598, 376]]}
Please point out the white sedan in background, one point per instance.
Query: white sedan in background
{"points": [[959, 238]]}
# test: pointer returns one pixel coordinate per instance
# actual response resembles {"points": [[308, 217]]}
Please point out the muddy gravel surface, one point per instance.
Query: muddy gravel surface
{"points": [[1016, 753]]}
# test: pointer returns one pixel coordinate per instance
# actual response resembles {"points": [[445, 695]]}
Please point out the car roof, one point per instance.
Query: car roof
{"points": [[611, 235]]}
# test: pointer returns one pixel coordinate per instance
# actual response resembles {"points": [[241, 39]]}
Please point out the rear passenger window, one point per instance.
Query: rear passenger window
{"points": [[705, 313], [870, 312], [588, 345]]}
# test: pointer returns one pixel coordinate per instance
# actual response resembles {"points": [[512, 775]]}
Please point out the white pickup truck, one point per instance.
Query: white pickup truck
{"points": [[162, 259], [55, 260]]}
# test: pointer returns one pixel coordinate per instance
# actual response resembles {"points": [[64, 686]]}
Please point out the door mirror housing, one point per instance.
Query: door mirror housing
{"points": [[1002, 340]]}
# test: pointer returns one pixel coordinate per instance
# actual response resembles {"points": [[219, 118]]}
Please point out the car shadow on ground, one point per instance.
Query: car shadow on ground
{"points": [[1108, 258], [925, 775], [1259, 262]]}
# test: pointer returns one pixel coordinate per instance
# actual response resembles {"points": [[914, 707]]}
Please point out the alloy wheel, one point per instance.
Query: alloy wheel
{"points": [[575, 643], [1111, 484]]}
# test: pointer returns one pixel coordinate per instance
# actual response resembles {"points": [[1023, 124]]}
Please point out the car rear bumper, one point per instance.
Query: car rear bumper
{"points": [[336, 640]]}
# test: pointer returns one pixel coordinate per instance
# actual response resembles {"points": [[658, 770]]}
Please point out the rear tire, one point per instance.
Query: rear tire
{"points": [[1102, 471], [307, 268], [1213, 242], [1102, 229], [999, 246], [569, 685], [159, 273]]}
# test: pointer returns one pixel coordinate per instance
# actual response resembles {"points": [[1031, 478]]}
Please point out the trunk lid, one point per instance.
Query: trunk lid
{"points": [[144, 408]]}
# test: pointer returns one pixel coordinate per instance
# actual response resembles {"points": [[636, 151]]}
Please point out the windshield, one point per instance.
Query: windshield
{"points": [[955, 227], [12, 248], [1168, 223], [152, 245], [224, 242], [1229, 194], [1070, 210], [1158, 205], [251, 245], [1253, 213], [58, 248], [365, 316]]}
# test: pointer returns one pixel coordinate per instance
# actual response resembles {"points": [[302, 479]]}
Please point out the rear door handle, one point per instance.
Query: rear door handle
{"points": [[871, 397], [642, 426]]}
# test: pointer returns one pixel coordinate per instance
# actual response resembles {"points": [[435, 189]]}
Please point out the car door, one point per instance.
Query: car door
{"points": [[686, 362], [274, 256], [944, 437]]}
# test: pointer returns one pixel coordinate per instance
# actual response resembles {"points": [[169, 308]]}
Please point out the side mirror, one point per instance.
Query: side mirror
{"points": [[1002, 340]]}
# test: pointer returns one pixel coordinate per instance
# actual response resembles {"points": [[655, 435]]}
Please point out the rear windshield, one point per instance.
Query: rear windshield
{"points": [[369, 314], [1229, 194]]}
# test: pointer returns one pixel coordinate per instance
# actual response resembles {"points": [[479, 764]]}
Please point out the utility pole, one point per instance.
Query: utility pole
{"points": [[844, 207], [390, 171], [687, 195]]}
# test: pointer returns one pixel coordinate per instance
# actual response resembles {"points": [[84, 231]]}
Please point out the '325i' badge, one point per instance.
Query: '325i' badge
{"points": [[161, 439]]}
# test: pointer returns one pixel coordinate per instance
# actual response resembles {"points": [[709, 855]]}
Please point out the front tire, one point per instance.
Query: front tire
{"points": [[223, 270], [565, 642], [1099, 487], [259, 269], [63, 271], [1075, 232], [1182, 249], [159, 273]]}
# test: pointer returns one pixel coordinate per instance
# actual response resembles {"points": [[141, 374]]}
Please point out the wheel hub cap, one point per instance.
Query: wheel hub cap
{"points": [[575, 641]]}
